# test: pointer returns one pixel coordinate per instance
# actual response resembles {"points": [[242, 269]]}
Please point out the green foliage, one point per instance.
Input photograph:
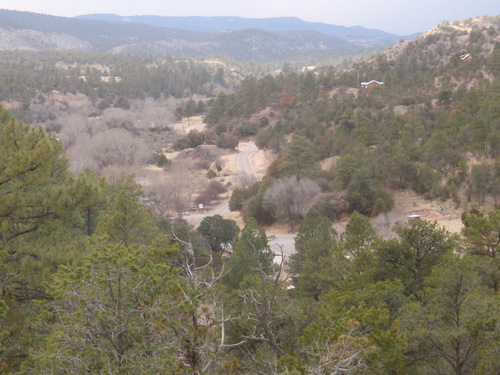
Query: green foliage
{"points": [[388, 293], [356, 338], [365, 195], [238, 198], [127, 222], [162, 161], [298, 159], [482, 240], [192, 140], [318, 264], [190, 108], [421, 245], [33, 175], [419, 131], [261, 302], [138, 76], [456, 324], [256, 207], [251, 253], [493, 61], [421, 146], [218, 108], [89, 199], [321, 266], [273, 138], [3, 313], [358, 236], [220, 233], [116, 312], [226, 141], [42, 219], [326, 208], [304, 235], [481, 178]]}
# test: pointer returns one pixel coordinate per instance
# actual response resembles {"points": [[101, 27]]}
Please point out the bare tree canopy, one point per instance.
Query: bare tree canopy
{"points": [[246, 180], [111, 147], [291, 198]]}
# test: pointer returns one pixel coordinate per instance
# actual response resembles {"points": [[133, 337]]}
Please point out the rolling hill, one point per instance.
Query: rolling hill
{"points": [[254, 40]]}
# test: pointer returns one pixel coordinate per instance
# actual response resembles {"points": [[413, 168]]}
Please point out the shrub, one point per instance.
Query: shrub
{"points": [[226, 141], [211, 192]]}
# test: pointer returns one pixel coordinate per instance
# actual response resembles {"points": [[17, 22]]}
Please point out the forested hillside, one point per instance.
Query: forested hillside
{"points": [[93, 282], [31, 31], [25, 74], [432, 126], [356, 34]]}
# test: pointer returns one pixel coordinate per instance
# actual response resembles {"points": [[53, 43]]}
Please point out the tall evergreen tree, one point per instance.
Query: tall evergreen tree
{"points": [[127, 222], [455, 327], [298, 159], [33, 176], [482, 240], [421, 245], [251, 254]]}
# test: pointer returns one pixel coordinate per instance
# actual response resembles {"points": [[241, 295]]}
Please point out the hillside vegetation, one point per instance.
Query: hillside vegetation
{"points": [[94, 281], [264, 42], [432, 127]]}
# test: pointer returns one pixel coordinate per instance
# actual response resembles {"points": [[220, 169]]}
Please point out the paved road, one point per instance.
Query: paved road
{"points": [[282, 241], [222, 210], [244, 160], [277, 241]]}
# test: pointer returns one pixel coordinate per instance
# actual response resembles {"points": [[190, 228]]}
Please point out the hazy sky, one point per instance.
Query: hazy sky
{"points": [[396, 16]]}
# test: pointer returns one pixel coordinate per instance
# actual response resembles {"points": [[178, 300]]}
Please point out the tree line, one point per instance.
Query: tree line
{"points": [[102, 76], [92, 282], [415, 132]]}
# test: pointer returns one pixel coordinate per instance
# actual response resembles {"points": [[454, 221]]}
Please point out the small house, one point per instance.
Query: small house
{"points": [[370, 85]]}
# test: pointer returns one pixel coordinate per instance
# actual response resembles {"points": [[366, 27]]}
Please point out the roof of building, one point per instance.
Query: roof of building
{"points": [[372, 81]]}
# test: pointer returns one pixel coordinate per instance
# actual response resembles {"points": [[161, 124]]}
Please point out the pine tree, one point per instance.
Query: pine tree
{"points": [[298, 159], [33, 176], [127, 222], [116, 312], [251, 253]]}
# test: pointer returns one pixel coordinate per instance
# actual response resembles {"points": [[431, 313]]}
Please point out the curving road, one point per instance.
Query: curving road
{"points": [[244, 161], [277, 241]]}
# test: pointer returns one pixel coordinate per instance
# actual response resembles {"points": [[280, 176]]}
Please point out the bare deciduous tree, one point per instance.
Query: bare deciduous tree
{"points": [[183, 172], [152, 114], [111, 147], [346, 356], [172, 191], [203, 333], [211, 192], [246, 180], [291, 198]]}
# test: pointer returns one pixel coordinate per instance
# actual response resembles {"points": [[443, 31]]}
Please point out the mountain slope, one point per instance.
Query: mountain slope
{"points": [[260, 45], [277, 24], [24, 30], [432, 127]]}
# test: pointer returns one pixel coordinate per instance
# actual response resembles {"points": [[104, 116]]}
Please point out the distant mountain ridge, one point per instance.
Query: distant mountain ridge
{"points": [[275, 24], [266, 40]]}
